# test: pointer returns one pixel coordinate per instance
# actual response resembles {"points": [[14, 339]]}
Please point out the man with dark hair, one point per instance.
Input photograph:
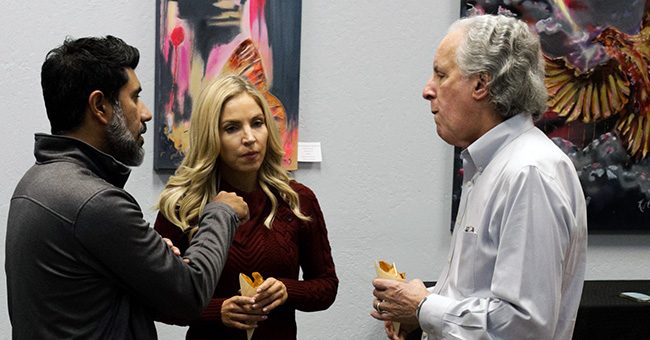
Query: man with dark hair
{"points": [[518, 252], [81, 261]]}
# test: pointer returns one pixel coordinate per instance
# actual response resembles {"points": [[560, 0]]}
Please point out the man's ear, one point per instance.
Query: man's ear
{"points": [[99, 107], [480, 90]]}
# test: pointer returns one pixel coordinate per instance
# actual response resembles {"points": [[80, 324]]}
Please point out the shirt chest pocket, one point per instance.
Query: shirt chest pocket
{"points": [[466, 252]]}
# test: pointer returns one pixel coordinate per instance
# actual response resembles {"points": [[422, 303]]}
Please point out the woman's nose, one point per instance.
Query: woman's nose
{"points": [[248, 137]]}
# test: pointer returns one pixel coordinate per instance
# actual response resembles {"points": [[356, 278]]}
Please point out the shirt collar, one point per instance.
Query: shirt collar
{"points": [[479, 154]]}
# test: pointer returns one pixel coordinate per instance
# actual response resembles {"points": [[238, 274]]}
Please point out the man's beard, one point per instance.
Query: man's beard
{"points": [[123, 144]]}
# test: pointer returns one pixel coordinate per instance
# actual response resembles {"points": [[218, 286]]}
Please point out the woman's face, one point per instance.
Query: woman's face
{"points": [[243, 135]]}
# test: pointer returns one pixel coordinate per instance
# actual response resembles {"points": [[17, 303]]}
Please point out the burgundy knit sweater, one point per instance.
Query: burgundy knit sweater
{"points": [[279, 252]]}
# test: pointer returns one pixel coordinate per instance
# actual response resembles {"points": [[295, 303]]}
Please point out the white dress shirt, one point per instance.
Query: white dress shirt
{"points": [[517, 260]]}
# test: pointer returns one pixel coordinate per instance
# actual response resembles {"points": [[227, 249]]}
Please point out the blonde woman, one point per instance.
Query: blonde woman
{"points": [[235, 147]]}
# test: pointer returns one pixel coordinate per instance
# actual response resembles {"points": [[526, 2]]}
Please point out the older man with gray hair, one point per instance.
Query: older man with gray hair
{"points": [[517, 259]]}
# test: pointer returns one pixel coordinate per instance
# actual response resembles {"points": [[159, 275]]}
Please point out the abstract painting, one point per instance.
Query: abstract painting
{"points": [[597, 55], [198, 40]]}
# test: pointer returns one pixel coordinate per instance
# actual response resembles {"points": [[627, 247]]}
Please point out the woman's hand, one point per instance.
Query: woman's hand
{"points": [[238, 312], [270, 294]]}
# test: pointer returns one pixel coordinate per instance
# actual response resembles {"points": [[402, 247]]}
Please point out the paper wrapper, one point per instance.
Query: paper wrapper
{"points": [[389, 271], [248, 287]]}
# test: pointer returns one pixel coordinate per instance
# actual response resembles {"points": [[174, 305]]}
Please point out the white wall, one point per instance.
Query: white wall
{"points": [[385, 182]]}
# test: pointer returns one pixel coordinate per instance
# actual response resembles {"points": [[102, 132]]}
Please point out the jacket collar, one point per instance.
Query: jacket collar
{"points": [[56, 148]]}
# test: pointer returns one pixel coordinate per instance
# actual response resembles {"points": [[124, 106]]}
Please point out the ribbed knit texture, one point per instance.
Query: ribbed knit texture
{"points": [[278, 252]]}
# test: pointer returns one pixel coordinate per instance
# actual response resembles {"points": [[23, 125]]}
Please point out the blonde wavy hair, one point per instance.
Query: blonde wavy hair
{"points": [[195, 182]]}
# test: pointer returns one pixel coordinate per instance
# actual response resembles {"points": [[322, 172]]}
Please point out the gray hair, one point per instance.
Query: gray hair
{"points": [[505, 49]]}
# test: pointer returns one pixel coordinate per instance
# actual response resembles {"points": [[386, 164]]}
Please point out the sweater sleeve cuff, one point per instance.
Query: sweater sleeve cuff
{"points": [[432, 312]]}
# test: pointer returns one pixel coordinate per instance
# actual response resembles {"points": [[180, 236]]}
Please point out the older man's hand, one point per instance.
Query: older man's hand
{"points": [[397, 301], [391, 334]]}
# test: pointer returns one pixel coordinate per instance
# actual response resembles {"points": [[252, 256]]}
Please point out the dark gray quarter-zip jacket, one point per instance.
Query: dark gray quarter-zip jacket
{"points": [[82, 263]]}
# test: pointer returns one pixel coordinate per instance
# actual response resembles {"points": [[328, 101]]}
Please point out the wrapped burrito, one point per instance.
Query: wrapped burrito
{"points": [[248, 287], [389, 271]]}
